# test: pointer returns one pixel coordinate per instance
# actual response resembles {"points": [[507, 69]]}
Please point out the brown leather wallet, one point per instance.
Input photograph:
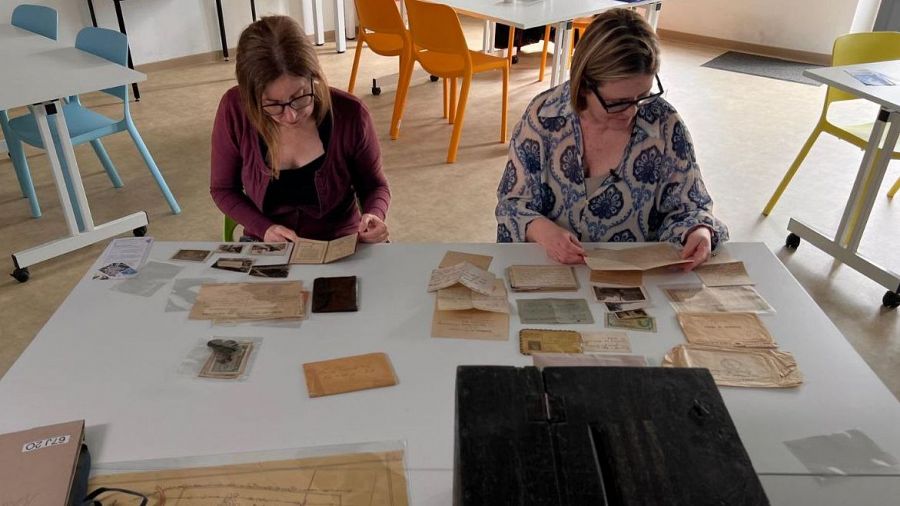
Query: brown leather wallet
{"points": [[331, 295]]}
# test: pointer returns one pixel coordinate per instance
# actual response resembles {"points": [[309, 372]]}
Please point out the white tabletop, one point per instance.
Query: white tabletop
{"points": [[887, 97], [37, 69], [532, 13], [112, 359]]}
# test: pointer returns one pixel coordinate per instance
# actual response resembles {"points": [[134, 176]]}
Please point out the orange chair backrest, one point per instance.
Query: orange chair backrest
{"points": [[379, 16], [435, 27], [857, 48]]}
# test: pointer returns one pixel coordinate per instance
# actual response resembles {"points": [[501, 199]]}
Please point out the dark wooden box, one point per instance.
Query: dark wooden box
{"points": [[597, 436]]}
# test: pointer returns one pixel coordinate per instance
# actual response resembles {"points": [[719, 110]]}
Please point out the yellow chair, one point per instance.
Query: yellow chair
{"points": [[578, 28], [381, 28], [440, 47], [851, 49]]}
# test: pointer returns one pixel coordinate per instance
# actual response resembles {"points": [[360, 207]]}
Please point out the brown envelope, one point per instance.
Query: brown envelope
{"points": [[38, 464], [549, 341], [349, 374], [458, 257]]}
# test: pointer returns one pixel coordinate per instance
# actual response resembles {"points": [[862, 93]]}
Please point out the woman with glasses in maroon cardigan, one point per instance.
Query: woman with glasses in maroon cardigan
{"points": [[292, 157]]}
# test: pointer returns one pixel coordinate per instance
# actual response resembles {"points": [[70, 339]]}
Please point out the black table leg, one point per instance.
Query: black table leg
{"points": [[222, 29], [93, 15], [253, 9], [134, 86]]}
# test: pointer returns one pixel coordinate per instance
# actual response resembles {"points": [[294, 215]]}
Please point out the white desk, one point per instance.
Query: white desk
{"points": [[525, 14], [868, 179], [38, 73], [112, 359]]}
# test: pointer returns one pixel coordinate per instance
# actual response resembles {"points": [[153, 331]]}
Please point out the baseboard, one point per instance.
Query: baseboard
{"points": [[746, 47], [201, 58]]}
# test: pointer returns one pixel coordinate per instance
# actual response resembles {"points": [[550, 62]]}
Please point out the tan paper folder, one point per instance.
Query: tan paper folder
{"points": [[37, 465]]}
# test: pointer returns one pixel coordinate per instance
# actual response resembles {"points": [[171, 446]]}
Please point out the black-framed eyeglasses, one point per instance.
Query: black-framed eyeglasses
{"points": [[296, 103], [621, 105]]}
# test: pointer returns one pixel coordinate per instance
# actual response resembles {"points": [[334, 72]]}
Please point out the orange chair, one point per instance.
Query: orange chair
{"points": [[382, 29], [578, 28], [440, 47]]}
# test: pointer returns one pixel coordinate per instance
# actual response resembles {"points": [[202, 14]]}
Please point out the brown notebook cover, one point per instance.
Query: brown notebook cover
{"points": [[331, 295], [37, 465]]}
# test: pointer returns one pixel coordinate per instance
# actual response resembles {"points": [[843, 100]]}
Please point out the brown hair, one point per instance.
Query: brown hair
{"points": [[268, 49], [618, 44]]}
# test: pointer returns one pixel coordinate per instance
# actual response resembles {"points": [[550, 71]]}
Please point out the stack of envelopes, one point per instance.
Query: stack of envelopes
{"points": [[471, 302], [238, 302]]}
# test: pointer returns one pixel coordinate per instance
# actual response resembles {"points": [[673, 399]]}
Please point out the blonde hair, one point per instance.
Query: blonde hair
{"points": [[268, 49], [618, 44]]}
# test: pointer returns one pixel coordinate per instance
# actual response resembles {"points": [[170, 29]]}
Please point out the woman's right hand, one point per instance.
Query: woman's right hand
{"points": [[278, 233], [560, 244]]}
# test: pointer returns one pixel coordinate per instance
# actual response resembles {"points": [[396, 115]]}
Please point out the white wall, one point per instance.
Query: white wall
{"points": [[164, 29], [801, 25]]}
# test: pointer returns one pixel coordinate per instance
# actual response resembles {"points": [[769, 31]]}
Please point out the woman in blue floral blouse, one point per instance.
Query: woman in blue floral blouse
{"points": [[604, 157]]}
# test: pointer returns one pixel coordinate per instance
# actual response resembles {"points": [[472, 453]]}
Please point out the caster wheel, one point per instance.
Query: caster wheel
{"points": [[890, 299], [792, 241], [376, 90], [21, 275], [433, 78], [140, 231], [515, 59]]}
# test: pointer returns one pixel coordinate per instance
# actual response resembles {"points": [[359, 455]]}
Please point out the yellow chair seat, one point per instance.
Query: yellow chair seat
{"points": [[859, 135], [454, 65], [385, 44]]}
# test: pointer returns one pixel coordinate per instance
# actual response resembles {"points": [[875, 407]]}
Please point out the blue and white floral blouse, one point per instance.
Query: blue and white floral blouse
{"points": [[656, 194]]}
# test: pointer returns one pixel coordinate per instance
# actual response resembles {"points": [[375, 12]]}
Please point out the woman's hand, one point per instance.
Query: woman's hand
{"points": [[278, 233], [372, 229], [560, 244], [697, 247]]}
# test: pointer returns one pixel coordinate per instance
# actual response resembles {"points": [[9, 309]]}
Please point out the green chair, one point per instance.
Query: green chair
{"points": [[228, 230]]}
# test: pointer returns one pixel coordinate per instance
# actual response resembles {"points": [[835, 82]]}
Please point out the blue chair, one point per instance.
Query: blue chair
{"points": [[42, 21], [86, 125]]}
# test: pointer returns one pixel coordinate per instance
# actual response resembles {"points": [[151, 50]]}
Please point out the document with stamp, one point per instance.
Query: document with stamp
{"points": [[549, 341], [270, 300], [543, 311], [739, 367], [542, 278], [349, 374], [716, 299], [309, 251], [723, 274], [735, 330]]}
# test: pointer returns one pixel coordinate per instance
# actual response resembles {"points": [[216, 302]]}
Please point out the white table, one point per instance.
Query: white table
{"points": [[868, 179], [39, 72], [112, 359], [525, 14]]}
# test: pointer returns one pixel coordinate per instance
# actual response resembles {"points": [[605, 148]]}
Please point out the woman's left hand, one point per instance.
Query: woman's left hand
{"points": [[697, 247], [372, 229]]}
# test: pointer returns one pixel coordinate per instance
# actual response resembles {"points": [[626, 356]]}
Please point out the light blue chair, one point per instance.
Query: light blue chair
{"points": [[86, 125], [44, 21]]}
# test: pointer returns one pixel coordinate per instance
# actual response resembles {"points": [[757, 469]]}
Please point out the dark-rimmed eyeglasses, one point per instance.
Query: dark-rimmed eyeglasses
{"points": [[296, 103], [621, 105]]}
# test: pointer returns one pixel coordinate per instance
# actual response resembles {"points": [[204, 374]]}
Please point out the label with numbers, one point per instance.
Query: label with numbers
{"points": [[45, 443]]}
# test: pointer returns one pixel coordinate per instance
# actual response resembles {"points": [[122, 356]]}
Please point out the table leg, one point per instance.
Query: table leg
{"points": [[340, 35], [121, 19], [350, 16], [318, 22], [222, 29], [560, 57], [77, 238], [486, 37], [653, 14]]}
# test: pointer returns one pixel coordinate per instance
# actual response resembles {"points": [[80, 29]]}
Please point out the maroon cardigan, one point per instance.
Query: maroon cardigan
{"points": [[239, 176]]}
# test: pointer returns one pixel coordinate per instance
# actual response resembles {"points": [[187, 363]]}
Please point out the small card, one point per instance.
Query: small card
{"points": [[647, 324], [275, 249], [223, 365], [332, 295], [542, 311], [605, 341], [230, 248], [549, 341], [233, 264], [191, 255], [870, 77], [349, 374], [270, 271], [620, 294]]}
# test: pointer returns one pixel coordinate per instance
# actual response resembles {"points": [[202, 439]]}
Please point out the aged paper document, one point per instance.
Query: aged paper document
{"points": [[605, 341], [738, 367], [737, 330], [624, 278], [356, 479], [457, 257], [349, 374], [309, 251], [225, 366], [458, 298], [716, 299], [642, 258], [249, 301], [529, 278], [470, 324], [592, 360], [549, 341], [724, 274], [538, 311], [466, 274]]}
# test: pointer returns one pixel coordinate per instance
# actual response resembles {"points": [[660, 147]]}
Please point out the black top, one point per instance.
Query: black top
{"points": [[294, 188]]}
